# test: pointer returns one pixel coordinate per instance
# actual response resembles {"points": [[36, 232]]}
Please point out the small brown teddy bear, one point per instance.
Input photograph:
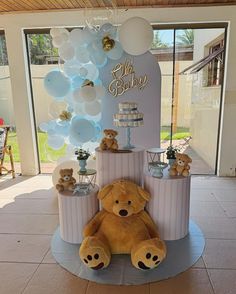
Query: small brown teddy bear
{"points": [[109, 142], [181, 165], [122, 227], [66, 181]]}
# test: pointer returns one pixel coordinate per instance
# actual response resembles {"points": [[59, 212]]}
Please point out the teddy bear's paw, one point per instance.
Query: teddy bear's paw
{"points": [[94, 256], [149, 255]]}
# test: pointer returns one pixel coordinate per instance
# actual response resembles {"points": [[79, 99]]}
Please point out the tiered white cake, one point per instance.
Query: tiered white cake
{"points": [[128, 115]]}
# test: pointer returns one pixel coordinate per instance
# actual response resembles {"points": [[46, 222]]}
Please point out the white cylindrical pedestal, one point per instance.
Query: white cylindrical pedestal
{"points": [[169, 204], [74, 213], [114, 166]]}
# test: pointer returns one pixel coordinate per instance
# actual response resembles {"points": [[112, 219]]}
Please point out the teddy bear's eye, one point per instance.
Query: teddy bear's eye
{"points": [[117, 201], [129, 202]]}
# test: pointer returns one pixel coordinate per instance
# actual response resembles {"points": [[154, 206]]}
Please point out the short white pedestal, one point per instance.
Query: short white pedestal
{"points": [[169, 204], [74, 213], [114, 166]]}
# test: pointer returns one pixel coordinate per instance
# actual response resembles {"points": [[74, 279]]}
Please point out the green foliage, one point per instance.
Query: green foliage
{"points": [[40, 47], [186, 38]]}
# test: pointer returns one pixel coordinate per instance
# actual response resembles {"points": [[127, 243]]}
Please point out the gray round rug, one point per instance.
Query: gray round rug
{"points": [[181, 255]]}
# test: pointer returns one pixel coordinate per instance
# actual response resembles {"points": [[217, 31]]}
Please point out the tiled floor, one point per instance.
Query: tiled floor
{"points": [[29, 216]]}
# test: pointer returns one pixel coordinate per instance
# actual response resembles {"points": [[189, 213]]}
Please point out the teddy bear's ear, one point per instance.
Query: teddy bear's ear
{"points": [[143, 193], [189, 159], [105, 191], [71, 170], [115, 133]]}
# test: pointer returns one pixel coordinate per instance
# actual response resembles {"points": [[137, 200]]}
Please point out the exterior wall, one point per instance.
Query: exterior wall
{"points": [[205, 101]]}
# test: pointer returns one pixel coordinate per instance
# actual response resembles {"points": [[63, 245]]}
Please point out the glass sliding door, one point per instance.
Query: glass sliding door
{"points": [[43, 57], [195, 95], [6, 106]]}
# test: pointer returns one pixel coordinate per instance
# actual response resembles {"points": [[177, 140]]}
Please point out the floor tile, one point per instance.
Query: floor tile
{"points": [[202, 195], [28, 193], [217, 227], [225, 195], [224, 281], [108, 289], [49, 258], [207, 209], [193, 281], [28, 224], [23, 248], [220, 254], [229, 208], [15, 276], [29, 206], [51, 279], [199, 263]]}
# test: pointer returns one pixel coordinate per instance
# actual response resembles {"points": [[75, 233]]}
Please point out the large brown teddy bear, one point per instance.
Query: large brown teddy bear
{"points": [[109, 142], [66, 181], [122, 227], [181, 165]]}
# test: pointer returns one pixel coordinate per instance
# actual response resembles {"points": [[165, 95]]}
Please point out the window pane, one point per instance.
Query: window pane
{"points": [[43, 59], [6, 106], [197, 96]]}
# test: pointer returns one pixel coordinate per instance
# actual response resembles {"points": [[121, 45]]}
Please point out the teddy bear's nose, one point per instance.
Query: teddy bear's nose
{"points": [[123, 212]]}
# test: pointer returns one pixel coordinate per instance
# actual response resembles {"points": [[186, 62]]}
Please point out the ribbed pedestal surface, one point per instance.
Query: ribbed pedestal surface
{"points": [[169, 205], [74, 213], [114, 166]]}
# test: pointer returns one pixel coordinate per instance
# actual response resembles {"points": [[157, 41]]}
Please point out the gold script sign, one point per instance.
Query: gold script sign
{"points": [[124, 79]]}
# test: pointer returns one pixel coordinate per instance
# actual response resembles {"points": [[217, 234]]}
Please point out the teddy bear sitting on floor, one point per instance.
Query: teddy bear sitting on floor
{"points": [[181, 165], [109, 142], [66, 181], [122, 227]]}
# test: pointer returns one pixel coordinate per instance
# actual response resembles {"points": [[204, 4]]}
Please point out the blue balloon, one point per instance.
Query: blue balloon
{"points": [[116, 52], [56, 84], [81, 130], [107, 29], [55, 142], [77, 82], [62, 129]]}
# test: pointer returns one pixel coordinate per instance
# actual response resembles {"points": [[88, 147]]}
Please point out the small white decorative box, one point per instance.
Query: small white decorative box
{"points": [[74, 213]]}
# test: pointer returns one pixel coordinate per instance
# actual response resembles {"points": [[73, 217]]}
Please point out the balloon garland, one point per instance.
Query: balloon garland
{"points": [[75, 87]]}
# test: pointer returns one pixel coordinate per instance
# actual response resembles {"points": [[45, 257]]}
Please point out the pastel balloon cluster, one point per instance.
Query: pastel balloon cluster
{"points": [[75, 87]]}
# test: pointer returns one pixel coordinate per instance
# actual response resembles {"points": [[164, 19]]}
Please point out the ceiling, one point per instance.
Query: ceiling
{"points": [[12, 6]]}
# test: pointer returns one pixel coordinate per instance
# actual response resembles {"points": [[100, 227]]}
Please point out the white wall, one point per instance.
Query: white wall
{"points": [[13, 25]]}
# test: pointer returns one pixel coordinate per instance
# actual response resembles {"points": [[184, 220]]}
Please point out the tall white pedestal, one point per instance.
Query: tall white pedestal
{"points": [[169, 204], [74, 213], [114, 166]]}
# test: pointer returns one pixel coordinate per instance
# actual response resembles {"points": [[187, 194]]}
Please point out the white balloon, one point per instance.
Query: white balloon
{"points": [[71, 68], [93, 108], [66, 51], [56, 108], [82, 54], [56, 142], [136, 35], [76, 37], [79, 108], [88, 93], [76, 95], [59, 40], [83, 72], [100, 91], [55, 32]]}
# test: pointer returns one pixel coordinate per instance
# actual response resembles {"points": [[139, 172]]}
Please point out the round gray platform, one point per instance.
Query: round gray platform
{"points": [[181, 255]]}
